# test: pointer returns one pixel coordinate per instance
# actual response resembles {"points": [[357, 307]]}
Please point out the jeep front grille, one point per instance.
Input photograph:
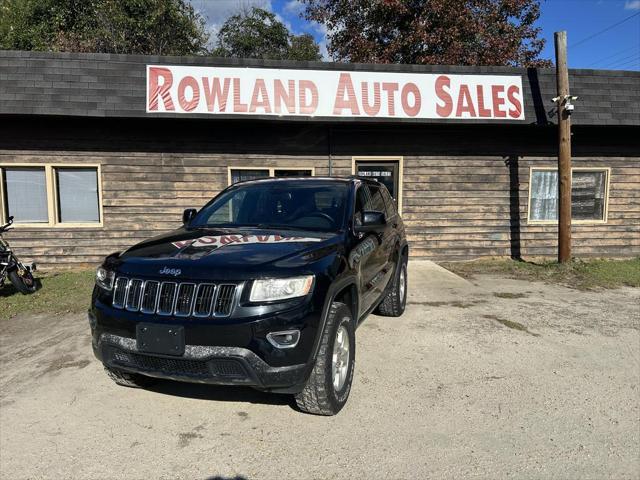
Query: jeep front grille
{"points": [[171, 298]]}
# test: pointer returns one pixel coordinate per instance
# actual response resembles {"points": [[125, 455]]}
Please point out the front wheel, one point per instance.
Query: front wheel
{"points": [[127, 379], [395, 300], [328, 387], [23, 280]]}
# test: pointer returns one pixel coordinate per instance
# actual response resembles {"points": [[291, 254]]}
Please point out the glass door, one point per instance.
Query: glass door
{"points": [[386, 172]]}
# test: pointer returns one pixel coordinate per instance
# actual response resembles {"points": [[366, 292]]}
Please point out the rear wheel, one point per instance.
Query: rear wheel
{"points": [[126, 379], [328, 387], [23, 280], [395, 300]]}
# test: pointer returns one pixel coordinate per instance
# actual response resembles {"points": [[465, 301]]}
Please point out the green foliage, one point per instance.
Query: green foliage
{"points": [[63, 292], [436, 32], [257, 33], [156, 27], [580, 274]]}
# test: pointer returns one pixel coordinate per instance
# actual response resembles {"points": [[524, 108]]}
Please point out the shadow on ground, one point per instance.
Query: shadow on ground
{"points": [[220, 393]]}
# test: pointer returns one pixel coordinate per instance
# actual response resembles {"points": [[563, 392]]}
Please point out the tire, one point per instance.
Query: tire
{"points": [[25, 284], [320, 395], [395, 300], [126, 379]]}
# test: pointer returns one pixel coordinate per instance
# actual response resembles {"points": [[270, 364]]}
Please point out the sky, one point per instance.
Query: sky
{"points": [[600, 33]]}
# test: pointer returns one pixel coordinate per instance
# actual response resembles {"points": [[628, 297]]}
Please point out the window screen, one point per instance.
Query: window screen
{"points": [[77, 195], [26, 190], [544, 195], [588, 194], [240, 174]]}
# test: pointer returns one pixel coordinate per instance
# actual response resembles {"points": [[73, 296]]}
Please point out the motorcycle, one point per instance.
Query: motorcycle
{"points": [[20, 275]]}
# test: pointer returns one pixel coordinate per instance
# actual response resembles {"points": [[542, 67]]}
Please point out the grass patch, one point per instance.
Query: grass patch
{"points": [[509, 295], [62, 292], [579, 274]]}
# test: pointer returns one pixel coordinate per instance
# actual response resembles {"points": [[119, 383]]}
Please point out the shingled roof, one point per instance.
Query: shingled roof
{"points": [[108, 85]]}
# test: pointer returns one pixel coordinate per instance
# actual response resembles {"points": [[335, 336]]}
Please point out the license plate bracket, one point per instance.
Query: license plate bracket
{"points": [[163, 339]]}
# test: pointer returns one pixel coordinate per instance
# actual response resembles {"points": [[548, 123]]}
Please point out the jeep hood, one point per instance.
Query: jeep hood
{"points": [[226, 253]]}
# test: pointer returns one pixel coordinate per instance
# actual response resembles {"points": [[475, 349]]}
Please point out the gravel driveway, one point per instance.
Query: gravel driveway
{"points": [[500, 378]]}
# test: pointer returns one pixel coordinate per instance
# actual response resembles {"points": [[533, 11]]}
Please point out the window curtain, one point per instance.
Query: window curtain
{"points": [[27, 194], [240, 175], [78, 195], [544, 195]]}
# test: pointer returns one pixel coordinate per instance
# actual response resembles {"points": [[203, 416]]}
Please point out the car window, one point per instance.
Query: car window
{"points": [[390, 205], [376, 202], [304, 205], [361, 200]]}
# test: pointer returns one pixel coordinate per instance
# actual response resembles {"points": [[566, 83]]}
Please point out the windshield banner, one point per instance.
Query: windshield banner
{"points": [[220, 240], [325, 93]]}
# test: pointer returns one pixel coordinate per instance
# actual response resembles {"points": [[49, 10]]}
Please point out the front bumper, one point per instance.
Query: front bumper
{"points": [[201, 364]]}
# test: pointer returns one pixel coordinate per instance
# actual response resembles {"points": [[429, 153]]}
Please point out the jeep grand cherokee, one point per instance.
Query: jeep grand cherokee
{"points": [[264, 287]]}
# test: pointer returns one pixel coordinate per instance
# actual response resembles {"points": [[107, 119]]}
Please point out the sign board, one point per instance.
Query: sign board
{"points": [[326, 93]]}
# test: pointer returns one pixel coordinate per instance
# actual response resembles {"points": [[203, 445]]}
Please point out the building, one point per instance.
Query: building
{"points": [[98, 152]]}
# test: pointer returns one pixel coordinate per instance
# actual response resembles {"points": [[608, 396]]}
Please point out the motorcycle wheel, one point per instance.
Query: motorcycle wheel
{"points": [[24, 283]]}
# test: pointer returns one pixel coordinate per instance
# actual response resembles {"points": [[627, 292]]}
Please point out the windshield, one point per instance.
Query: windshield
{"points": [[295, 205]]}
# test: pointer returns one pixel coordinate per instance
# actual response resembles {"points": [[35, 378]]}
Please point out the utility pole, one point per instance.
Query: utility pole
{"points": [[563, 101]]}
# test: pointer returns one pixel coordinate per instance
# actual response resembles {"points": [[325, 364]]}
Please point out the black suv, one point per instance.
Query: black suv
{"points": [[264, 287]]}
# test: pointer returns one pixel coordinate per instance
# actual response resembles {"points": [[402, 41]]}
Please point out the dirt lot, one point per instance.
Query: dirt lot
{"points": [[499, 378]]}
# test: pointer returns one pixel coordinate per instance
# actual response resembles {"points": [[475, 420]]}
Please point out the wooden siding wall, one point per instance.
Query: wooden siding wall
{"points": [[455, 208], [144, 194], [465, 189]]}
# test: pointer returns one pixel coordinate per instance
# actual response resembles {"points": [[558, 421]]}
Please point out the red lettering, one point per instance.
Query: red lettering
{"points": [[370, 110], [288, 96], [482, 111], [260, 89], [465, 103], [262, 238], [411, 88], [207, 240], [498, 101], [303, 87], [447, 107], [192, 83], [156, 90], [238, 106], [516, 111], [213, 93], [342, 103], [391, 88]]}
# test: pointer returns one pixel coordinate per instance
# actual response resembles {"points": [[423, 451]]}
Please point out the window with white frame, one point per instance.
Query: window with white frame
{"points": [[240, 174], [589, 195], [51, 195]]}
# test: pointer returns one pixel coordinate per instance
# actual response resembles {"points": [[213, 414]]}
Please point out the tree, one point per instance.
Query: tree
{"points": [[256, 33], [156, 27], [437, 32]]}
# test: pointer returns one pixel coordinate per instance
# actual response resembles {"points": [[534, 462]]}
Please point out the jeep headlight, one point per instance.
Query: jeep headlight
{"points": [[271, 289], [105, 278]]}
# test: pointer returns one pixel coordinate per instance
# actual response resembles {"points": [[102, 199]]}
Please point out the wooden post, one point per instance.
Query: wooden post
{"points": [[564, 150]]}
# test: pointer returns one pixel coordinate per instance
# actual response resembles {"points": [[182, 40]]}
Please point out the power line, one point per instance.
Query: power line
{"points": [[603, 30], [624, 50], [637, 59], [622, 59]]}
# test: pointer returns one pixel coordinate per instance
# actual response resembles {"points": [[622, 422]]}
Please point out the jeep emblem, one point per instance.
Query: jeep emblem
{"points": [[170, 271]]}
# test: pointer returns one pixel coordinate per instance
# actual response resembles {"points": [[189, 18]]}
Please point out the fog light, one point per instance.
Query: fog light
{"points": [[284, 339]]}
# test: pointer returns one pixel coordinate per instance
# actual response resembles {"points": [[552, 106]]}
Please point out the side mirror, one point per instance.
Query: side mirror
{"points": [[371, 222], [188, 215]]}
